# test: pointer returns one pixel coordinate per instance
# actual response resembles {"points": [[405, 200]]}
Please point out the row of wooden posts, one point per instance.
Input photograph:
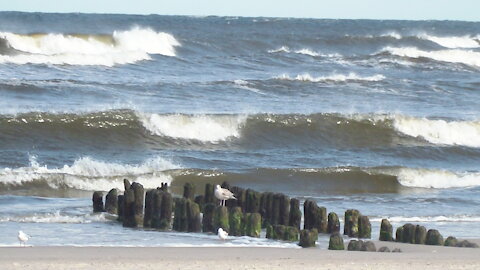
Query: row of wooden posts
{"points": [[277, 213]]}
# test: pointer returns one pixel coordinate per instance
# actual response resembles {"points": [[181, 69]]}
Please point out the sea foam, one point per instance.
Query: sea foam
{"points": [[205, 128], [89, 174], [122, 47], [55, 217]]}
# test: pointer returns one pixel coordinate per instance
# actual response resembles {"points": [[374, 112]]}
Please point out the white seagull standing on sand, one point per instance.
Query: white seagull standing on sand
{"points": [[222, 234], [23, 237], [223, 194]]}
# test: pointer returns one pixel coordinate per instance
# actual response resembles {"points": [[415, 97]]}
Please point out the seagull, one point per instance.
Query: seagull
{"points": [[223, 194], [23, 238], [222, 234]]}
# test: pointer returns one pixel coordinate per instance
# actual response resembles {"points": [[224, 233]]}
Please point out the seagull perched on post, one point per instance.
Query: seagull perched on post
{"points": [[222, 234], [223, 194], [23, 238]]}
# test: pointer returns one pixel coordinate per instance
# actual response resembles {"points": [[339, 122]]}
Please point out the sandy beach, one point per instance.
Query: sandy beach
{"points": [[413, 257]]}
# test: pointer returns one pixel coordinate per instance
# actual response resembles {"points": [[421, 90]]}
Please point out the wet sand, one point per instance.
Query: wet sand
{"points": [[413, 257]]}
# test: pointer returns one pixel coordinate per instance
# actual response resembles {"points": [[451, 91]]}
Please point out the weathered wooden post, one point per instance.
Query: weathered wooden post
{"points": [[148, 214], [364, 227], [139, 198], [409, 233], [189, 191], [193, 217], [399, 234], [208, 213], [220, 219], [434, 238], [166, 210], [284, 210], [333, 223], [252, 201], [308, 238], [351, 222], [180, 221], [315, 216], [129, 209], [157, 197], [120, 207], [111, 201], [236, 222], [386, 231], [253, 225], [420, 235], [336, 242], [200, 200], [210, 193], [295, 214], [97, 200]]}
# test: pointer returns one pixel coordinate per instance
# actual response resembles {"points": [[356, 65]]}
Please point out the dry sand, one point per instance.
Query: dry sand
{"points": [[412, 257]]}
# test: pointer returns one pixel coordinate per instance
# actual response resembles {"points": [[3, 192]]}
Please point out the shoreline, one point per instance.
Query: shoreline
{"points": [[412, 256]]}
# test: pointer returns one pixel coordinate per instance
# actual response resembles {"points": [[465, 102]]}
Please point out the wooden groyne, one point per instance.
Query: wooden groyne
{"points": [[251, 212]]}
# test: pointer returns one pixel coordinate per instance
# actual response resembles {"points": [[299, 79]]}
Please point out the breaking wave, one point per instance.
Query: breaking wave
{"points": [[426, 178], [453, 42], [87, 174], [122, 47], [440, 131], [466, 57], [198, 127]]}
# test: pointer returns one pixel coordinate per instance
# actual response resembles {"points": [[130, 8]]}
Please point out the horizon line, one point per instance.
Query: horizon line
{"points": [[237, 16]]}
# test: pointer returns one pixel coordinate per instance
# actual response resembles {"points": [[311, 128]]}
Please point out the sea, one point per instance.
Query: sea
{"points": [[382, 116]]}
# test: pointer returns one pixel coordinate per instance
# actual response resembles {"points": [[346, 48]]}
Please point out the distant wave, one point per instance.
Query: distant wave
{"points": [[331, 78], [177, 129], [457, 218], [122, 47], [87, 174], [449, 42], [304, 51], [466, 57]]}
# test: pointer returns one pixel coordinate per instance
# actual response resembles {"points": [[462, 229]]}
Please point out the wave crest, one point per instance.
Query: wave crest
{"points": [[440, 179], [453, 42], [465, 133], [466, 57], [204, 128], [122, 47], [88, 174]]}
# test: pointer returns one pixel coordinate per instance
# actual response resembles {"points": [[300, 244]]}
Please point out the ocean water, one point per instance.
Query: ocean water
{"points": [[381, 116]]}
